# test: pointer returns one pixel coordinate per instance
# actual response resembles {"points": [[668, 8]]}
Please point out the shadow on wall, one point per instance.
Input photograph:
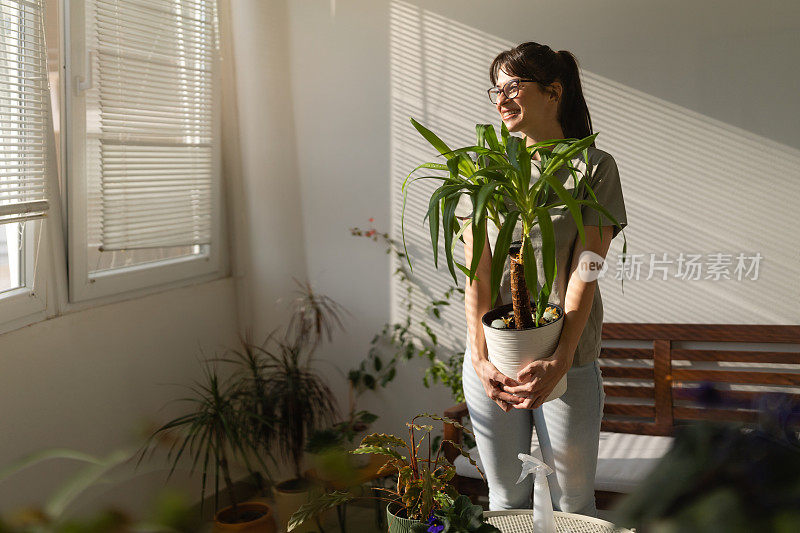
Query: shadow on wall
{"points": [[708, 204]]}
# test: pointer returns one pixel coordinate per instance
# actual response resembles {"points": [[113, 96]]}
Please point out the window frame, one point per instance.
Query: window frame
{"points": [[29, 303], [147, 277]]}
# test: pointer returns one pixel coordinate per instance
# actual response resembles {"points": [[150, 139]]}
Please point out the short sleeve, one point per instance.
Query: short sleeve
{"points": [[607, 188], [464, 207]]}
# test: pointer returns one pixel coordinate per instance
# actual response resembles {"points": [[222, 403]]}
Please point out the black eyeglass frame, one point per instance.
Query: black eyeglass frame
{"points": [[503, 89]]}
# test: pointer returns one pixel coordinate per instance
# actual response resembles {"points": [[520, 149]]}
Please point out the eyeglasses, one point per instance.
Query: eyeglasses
{"points": [[510, 89]]}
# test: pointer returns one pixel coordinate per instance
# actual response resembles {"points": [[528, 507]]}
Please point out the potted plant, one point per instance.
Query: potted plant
{"points": [[279, 381], [214, 432], [423, 479], [509, 188]]}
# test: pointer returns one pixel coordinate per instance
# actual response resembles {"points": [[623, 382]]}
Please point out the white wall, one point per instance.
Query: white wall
{"points": [[268, 197], [92, 380]]}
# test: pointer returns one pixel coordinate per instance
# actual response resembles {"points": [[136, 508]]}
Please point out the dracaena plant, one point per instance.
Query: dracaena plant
{"points": [[501, 170], [424, 475]]}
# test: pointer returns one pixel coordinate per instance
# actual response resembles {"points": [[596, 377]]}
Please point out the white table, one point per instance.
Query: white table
{"points": [[521, 521]]}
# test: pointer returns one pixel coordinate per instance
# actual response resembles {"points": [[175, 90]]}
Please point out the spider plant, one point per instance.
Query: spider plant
{"points": [[503, 169], [214, 431]]}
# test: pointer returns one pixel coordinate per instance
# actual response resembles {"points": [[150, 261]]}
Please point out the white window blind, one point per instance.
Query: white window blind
{"points": [[149, 97], [23, 111]]}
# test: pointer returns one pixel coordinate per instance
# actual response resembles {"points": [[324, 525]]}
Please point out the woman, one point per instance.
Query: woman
{"points": [[538, 93]]}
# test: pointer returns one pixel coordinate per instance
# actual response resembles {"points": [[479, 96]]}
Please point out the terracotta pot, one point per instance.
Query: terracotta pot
{"points": [[261, 524], [511, 349], [396, 523]]}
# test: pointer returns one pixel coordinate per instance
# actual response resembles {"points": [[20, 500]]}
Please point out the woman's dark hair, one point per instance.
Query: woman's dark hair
{"points": [[539, 62]]}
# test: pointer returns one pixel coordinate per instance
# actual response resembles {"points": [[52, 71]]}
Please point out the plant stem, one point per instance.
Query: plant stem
{"points": [[223, 463], [519, 290]]}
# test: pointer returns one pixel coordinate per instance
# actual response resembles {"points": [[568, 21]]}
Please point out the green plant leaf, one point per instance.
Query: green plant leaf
{"points": [[378, 450], [548, 249], [66, 494], [490, 136], [449, 220], [501, 247], [529, 265], [504, 134], [465, 166], [383, 439], [318, 505], [569, 201]]}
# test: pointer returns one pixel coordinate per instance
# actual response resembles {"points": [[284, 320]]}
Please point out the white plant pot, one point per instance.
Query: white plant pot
{"points": [[510, 350]]}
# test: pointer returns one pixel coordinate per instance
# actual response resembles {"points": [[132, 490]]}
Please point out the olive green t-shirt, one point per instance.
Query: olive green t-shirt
{"points": [[604, 180]]}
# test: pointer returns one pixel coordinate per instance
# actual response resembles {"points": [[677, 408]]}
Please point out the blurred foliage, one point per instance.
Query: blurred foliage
{"points": [[170, 511], [724, 476]]}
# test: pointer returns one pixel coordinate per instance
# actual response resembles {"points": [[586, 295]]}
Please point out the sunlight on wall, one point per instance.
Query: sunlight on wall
{"points": [[693, 186]]}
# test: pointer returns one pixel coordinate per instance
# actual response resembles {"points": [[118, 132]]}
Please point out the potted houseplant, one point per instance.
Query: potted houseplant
{"points": [[278, 379], [507, 187], [423, 479], [214, 432]]}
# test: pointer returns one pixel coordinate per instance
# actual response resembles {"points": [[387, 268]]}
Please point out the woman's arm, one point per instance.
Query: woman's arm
{"points": [[580, 292], [477, 295], [477, 302]]}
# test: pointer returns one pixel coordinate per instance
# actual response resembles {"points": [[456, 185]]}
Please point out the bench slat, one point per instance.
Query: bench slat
{"points": [[627, 409], [736, 356], [626, 353], [626, 372], [622, 391], [701, 332], [766, 378]]}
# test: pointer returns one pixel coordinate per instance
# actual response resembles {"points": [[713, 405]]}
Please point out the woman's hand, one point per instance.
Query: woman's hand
{"points": [[493, 382], [537, 380]]}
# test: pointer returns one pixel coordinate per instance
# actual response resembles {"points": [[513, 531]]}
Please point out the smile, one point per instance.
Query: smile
{"points": [[509, 113]]}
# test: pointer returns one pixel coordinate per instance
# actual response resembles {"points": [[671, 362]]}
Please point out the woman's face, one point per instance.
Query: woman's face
{"points": [[532, 110]]}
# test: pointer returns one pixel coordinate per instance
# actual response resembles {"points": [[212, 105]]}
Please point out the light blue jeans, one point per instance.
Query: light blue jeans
{"points": [[568, 430]]}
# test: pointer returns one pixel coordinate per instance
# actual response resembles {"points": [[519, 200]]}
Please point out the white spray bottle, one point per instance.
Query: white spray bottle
{"points": [[543, 518]]}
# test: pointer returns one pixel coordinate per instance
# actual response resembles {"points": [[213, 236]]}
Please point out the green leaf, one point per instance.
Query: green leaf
{"points": [[318, 505], [478, 244], [501, 247], [466, 271], [491, 137], [466, 166], [383, 439], [571, 203], [378, 450], [433, 211], [529, 265], [548, 249], [59, 502], [449, 220]]}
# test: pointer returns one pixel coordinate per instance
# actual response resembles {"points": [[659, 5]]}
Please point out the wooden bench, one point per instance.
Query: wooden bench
{"points": [[652, 375]]}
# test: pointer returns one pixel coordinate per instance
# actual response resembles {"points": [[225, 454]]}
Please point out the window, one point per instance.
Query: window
{"points": [[143, 142], [25, 159]]}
